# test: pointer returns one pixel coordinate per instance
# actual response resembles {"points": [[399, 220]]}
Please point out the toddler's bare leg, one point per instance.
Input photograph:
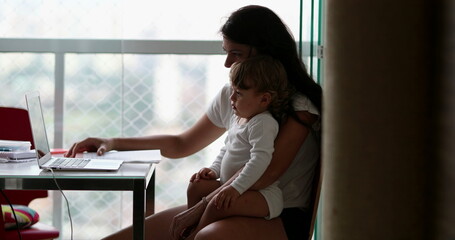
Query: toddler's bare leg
{"points": [[197, 190], [249, 204]]}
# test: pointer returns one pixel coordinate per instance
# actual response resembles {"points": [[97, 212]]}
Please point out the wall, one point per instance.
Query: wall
{"points": [[387, 163]]}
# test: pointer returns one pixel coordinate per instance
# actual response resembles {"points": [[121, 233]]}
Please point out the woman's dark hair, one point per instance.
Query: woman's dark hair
{"points": [[262, 29]]}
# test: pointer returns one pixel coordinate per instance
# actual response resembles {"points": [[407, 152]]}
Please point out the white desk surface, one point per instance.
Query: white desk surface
{"points": [[130, 177], [31, 170]]}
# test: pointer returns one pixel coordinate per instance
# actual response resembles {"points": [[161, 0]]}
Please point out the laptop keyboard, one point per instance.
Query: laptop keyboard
{"points": [[70, 162]]}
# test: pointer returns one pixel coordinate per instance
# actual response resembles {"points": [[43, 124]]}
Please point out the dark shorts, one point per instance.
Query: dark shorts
{"points": [[296, 223]]}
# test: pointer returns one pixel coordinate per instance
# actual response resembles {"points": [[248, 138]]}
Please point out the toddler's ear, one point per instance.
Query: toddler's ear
{"points": [[266, 98]]}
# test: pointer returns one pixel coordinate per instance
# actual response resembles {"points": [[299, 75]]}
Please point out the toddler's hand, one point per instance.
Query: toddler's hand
{"points": [[226, 197], [204, 173]]}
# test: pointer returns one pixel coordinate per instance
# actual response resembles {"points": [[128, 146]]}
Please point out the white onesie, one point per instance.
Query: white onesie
{"points": [[250, 146]]}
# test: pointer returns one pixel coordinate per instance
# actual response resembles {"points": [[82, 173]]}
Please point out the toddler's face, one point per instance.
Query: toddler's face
{"points": [[247, 103]]}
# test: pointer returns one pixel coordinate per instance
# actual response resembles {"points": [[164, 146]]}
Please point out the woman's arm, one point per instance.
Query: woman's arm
{"points": [[172, 146], [290, 138]]}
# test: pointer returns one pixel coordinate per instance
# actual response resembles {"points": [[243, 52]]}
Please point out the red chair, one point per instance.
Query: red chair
{"points": [[15, 125]]}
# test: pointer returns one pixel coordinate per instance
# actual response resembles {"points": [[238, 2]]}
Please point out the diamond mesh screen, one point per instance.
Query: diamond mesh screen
{"points": [[110, 95]]}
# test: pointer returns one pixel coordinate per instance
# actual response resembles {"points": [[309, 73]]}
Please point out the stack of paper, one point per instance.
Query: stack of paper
{"points": [[13, 151], [17, 156], [14, 146], [138, 156]]}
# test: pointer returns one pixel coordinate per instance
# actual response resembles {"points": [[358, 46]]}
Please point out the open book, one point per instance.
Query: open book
{"points": [[139, 156]]}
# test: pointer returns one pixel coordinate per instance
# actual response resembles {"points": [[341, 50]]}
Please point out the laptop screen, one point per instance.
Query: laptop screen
{"points": [[38, 128]]}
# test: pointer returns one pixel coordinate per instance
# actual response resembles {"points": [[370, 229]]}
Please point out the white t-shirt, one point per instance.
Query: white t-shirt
{"points": [[295, 183]]}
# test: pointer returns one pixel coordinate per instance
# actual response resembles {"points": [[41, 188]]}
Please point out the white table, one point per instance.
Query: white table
{"points": [[134, 177]]}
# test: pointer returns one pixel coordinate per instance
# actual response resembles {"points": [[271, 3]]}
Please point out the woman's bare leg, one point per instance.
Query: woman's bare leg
{"points": [[243, 228], [156, 226]]}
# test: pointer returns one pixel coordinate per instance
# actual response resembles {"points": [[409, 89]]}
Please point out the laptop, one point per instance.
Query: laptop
{"points": [[43, 153]]}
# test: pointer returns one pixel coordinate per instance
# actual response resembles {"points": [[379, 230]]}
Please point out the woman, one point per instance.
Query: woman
{"points": [[249, 31]]}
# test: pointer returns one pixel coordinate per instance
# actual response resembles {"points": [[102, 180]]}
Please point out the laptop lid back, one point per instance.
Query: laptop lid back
{"points": [[35, 113]]}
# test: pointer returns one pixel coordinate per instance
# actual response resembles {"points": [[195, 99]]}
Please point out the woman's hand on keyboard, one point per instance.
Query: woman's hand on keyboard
{"points": [[98, 145]]}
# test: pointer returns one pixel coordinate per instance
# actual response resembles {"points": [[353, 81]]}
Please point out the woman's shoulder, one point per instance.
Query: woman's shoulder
{"points": [[226, 90], [301, 102], [220, 111]]}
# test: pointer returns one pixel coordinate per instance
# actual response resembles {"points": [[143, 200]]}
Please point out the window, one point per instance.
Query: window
{"points": [[111, 68]]}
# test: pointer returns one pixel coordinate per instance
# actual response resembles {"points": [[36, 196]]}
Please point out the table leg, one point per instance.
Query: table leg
{"points": [[139, 211], [150, 197]]}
